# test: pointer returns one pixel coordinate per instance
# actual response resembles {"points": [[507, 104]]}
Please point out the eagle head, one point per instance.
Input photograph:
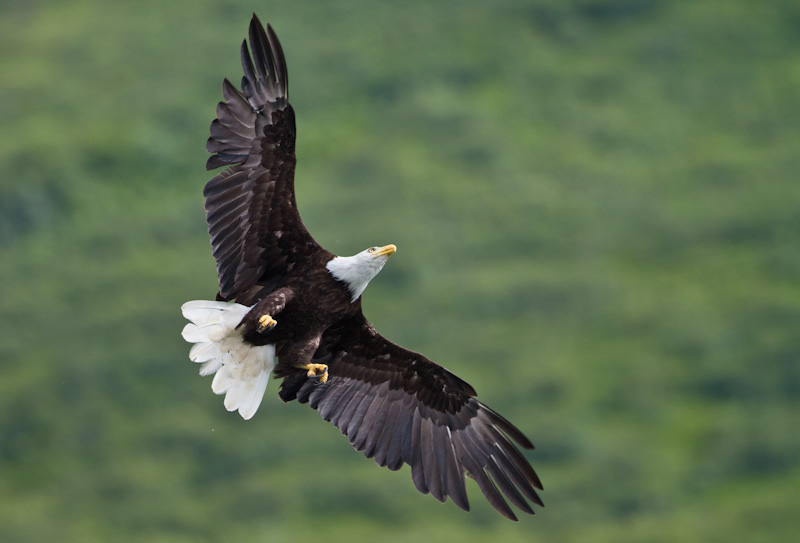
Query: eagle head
{"points": [[358, 270]]}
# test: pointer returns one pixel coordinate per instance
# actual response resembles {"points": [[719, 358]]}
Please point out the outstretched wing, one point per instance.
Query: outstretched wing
{"points": [[256, 230], [400, 408]]}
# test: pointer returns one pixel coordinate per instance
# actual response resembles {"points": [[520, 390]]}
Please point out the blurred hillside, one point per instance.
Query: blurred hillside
{"points": [[597, 210]]}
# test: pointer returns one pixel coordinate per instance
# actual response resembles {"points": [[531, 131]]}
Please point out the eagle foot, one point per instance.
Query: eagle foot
{"points": [[317, 370], [265, 324]]}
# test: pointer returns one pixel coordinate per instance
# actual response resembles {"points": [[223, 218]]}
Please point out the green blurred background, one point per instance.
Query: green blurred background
{"points": [[597, 210]]}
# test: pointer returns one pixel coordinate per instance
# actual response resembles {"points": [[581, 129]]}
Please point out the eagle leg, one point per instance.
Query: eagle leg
{"points": [[263, 311], [316, 370], [265, 323]]}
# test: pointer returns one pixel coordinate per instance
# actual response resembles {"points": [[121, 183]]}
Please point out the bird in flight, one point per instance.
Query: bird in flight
{"points": [[288, 307]]}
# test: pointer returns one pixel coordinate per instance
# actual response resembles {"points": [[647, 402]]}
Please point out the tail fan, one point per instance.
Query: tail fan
{"points": [[242, 370]]}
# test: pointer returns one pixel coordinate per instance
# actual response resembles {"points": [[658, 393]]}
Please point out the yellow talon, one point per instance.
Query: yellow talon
{"points": [[317, 370], [265, 323]]}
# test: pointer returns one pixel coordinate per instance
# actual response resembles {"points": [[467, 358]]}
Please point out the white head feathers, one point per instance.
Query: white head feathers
{"points": [[358, 270]]}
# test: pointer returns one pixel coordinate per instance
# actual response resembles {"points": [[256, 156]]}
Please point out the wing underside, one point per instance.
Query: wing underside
{"points": [[399, 408], [256, 230]]}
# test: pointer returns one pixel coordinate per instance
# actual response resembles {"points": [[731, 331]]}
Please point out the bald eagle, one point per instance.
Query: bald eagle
{"points": [[289, 307]]}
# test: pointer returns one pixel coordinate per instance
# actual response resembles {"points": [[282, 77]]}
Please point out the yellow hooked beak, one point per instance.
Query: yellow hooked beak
{"points": [[387, 250]]}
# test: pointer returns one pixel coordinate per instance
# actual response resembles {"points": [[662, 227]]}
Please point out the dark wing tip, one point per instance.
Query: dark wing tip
{"points": [[265, 71], [214, 162], [509, 428], [279, 61]]}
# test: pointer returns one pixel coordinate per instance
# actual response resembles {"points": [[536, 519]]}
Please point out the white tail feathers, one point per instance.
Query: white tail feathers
{"points": [[242, 370]]}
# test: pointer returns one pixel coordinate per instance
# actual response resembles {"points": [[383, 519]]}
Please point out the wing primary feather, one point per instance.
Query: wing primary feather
{"points": [[372, 416], [393, 429], [400, 450], [223, 182], [225, 235], [400, 435], [506, 486], [358, 415], [417, 467], [493, 495], [373, 437], [328, 401], [486, 485], [428, 457], [492, 435], [456, 488], [226, 134], [497, 420], [280, 62], [441, 446], [263, 60], [226, 117], [516, 476], [250, 78], [406, 450], [340, 409], [313, 392], [418, 477], [228, 229], [215, 162], [503, 460], [237, 103], [350, 411], [234, 207]]}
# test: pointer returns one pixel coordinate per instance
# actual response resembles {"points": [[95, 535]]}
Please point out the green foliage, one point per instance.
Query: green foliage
{"points": [[595, 204]]}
